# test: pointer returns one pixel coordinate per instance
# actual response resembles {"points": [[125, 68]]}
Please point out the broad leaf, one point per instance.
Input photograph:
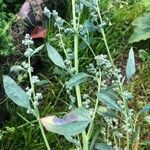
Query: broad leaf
{"points": [[77, 79], [15, 92], [106, 99], [146, 108], [55, 56], [103, 146], [130, 68], [72, 123], [142, 28]]}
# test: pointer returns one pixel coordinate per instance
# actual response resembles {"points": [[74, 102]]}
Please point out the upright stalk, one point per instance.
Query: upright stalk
{"points": [[96, 105], [76, 64], [119, 84], [103, 33], [36, 108]]}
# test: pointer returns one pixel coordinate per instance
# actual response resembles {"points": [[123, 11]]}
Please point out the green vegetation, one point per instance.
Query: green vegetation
{"points": [[86, 86]]}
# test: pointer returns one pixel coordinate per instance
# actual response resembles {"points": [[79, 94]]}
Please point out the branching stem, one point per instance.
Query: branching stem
{"points": [[76, 64]]}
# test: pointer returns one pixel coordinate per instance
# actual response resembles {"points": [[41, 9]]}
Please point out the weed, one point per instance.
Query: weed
{"points": [[96, 94]]}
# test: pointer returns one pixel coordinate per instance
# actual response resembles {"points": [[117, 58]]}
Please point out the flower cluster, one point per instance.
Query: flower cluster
{"points": [[58, 20], [101, 61], [72, 101], [127, 95], [92, 11], [28, 41], [47, 12], [70, 56], [78, 7], [38, 97], [35, 79], [102, 68], [87, 101]]}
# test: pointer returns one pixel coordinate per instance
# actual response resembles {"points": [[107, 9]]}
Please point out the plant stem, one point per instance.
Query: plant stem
{"points": [[103, 33], [61, 40], [36, 108], [126, 117], [76, 64], [96, 105], [119, 84]]}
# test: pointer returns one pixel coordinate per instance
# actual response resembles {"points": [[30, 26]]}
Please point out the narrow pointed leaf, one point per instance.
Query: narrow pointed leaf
{"points": [[77, 79], [130, 68], [106, 99], [16, 68], [15, 92], [55, 56], [37, 49], [71, 124]]}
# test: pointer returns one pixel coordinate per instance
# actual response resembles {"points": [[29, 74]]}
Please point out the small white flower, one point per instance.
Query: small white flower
{"points": [[35, 103], [39, 96], [47, 12], [25, 65], [28, 40], [35, 79], [55, 13]]}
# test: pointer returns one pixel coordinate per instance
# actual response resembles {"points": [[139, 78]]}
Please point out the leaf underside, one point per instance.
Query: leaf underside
{"points": [[71, 124], [15, 92]]}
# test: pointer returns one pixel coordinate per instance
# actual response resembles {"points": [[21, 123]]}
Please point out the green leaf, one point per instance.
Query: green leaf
{"points": [[147, 118], [60, 72], [88, 27], [146, 108], [103, 146], [130, 68], [87, 3], [77, 79], [90, 41], [16, 68], [55, 56], [37, 49], [144, 55], [106, 99], [42, 82], [72, 123], [15, 92], [146, 142], [105, 112], [142, 28]]}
